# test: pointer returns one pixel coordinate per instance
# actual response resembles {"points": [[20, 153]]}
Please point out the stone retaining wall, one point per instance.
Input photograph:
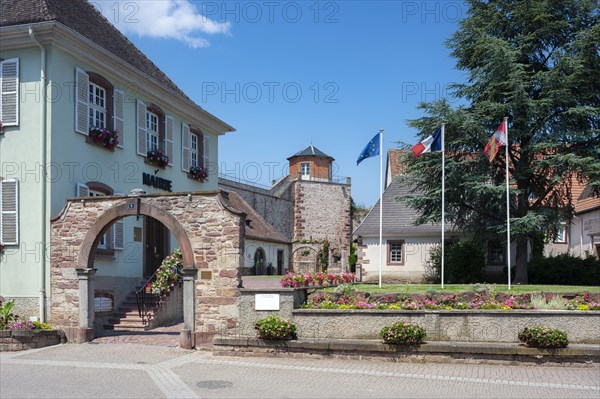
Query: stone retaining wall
{"points": [[18, 340], [441, 325]]}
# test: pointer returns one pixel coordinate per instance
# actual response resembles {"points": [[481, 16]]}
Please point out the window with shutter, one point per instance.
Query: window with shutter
{"points": [[9, 212], [141, 129], [119, 117], [206, 153], [82, 112], [119, 233], [185, 147], [9, 92], [169, 126]]}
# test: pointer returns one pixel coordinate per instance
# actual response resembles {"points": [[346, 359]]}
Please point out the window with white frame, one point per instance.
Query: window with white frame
{"points": [[97, 106], [194, 150], [395, 253], [305, 169], [561, 235], [152, 131]]}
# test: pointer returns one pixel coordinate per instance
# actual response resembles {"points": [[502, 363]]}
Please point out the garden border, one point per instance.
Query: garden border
{"points": [[19, 340]]}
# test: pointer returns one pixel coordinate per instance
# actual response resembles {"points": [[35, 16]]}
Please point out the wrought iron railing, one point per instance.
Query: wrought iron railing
{"points": [[146, 300]]}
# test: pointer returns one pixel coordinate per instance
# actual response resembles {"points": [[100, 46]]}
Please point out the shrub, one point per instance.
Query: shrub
{"points": [[464, 263], [352, 258], [273, 327], [6, 314], [403, 333], [544, 337], [564, 269]]}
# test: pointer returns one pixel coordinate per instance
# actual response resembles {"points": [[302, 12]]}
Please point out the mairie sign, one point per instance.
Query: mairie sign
{"points": [[157, 182]]}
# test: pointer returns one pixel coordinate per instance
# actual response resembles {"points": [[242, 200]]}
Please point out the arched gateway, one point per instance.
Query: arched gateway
{"points": [[209, 232]]}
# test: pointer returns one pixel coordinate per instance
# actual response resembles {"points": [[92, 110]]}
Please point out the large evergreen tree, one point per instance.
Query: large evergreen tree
{"points": [[536, 62]]}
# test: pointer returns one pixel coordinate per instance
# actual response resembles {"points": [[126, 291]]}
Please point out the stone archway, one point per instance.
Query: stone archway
{"points": [[208, 230]]}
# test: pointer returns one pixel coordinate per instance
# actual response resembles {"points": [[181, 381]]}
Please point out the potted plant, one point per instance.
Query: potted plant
{"points": [[273, 327], [158, 158], [104, 137], [270, 269], [198, 173]]}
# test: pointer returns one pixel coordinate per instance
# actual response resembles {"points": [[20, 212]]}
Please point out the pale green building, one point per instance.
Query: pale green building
{"points": [[83, 112]]}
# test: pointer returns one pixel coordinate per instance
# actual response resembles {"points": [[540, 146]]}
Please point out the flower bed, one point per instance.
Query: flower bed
{"points": [[449, 301], [291, 280], [16, 334]]}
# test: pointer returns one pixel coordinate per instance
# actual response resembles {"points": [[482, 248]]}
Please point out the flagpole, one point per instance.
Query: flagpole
{"points": [[380, 203], [443, 196], [507, 202]]}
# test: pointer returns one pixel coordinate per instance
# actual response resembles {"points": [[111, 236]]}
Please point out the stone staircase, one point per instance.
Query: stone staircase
{"points": [[127, 318]]}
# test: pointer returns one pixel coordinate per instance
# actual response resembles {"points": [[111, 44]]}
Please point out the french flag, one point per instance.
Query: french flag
{"points": [[432, 143]]}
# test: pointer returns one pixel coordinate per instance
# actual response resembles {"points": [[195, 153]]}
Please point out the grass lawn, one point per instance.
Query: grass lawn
{"points": [[515, 289]]}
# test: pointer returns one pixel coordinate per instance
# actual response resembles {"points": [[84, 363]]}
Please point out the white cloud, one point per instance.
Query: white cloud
{"points": [[167, 19]]}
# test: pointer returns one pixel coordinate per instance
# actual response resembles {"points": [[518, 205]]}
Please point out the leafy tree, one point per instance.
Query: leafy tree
{"points": [[536, 62]]}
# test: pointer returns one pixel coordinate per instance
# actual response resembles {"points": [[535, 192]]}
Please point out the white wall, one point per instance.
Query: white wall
{"points": [[270, 252]]}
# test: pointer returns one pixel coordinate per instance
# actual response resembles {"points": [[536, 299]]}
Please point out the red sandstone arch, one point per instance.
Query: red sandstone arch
{"points": [[106, 220]]}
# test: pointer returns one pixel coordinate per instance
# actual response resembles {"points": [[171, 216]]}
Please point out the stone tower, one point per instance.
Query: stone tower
{"points": [[321, 211]]}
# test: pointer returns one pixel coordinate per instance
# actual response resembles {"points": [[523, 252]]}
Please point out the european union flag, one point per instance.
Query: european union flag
{"points": [[370, 150]]}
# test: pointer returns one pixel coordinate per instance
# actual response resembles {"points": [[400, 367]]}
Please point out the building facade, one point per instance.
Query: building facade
{"points": [[85, 113]]}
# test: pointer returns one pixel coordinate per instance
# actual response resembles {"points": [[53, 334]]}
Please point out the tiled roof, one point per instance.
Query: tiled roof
{"points": [[398, 218], [82, 17], [258, 227], [583, 198], [311, 150]]}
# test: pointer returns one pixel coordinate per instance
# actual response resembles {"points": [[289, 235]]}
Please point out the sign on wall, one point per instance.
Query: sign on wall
{"points": [[266, 302]]}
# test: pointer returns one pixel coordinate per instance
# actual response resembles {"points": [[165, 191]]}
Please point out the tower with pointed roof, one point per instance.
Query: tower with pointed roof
{"points": [[311, 164]]}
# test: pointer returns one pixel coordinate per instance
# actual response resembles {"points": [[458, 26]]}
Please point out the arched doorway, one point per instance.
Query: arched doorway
{"points": [[304, 259], [213, 248], [260, 262]]}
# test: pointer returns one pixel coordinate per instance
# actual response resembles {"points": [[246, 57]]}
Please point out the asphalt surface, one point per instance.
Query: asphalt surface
{"points": [[117, 368]]}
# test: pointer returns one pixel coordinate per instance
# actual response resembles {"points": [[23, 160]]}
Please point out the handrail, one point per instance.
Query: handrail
{"points": [[147, 300]]}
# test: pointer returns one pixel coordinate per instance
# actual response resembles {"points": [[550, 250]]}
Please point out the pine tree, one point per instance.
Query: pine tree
{"points": [[536, 62]]}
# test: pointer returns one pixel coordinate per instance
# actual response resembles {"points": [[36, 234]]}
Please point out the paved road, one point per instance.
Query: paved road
{"points": [[129, 370]]}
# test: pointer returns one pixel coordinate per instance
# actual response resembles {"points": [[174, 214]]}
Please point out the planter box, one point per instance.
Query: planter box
{"points": [[18, 340], [447, 325]]}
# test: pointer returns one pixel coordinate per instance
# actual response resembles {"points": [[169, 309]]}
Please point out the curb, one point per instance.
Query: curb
{"points": [[574, 353]]}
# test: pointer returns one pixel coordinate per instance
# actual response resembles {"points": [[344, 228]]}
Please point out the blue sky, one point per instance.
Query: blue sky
{"points": [[287, 74]]}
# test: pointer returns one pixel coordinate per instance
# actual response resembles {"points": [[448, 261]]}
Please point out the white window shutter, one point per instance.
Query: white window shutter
{"points": [[83, 190], [82, 106], [9, 212], [169, 133], [119, 235], [142, 148], [206, 152], [119, 115], [9, 92], [186, 139]]}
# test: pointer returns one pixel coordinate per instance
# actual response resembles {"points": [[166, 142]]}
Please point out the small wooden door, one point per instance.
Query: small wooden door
{"points": [[279, 262], [157, 245]]}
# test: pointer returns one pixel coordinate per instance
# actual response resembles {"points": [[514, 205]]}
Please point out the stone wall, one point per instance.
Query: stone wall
{"points": [[25, 307], [209, 233], [12, 341], [456, 325], [170, 310], [278, 211], [322, 211]]}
